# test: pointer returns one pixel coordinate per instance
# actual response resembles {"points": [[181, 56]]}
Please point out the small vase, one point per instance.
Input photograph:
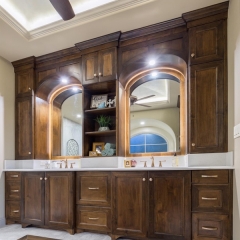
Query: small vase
{"points": [[103, 129]]}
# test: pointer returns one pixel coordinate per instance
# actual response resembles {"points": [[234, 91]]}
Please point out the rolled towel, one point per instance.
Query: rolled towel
{"points": [[104, 153], [109, 145], [111, 152]]}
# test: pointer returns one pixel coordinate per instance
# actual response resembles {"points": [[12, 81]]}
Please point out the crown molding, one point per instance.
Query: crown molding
{"points": [[80, 19]]}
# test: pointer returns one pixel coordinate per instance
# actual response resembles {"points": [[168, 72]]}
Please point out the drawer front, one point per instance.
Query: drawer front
{"points": [[210, 177], [13, 176], [94, 190], [207, 226], [210, 198], [13, 210], [13, 190], [94, 218]]}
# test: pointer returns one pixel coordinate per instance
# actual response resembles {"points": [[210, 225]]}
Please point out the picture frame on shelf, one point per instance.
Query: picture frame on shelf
{"points": [[98, 147], [92, 154], [99, 101], [127, 163]]}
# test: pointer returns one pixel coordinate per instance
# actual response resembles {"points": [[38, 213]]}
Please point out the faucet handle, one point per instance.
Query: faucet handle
{"points": [[145, 163], [60, 164], [72, 164], [160, 162]]}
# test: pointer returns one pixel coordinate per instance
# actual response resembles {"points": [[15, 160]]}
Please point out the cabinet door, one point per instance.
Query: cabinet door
{"points": [[107, 65], [24, 83], [33, 198], [129, 203], [24, 128], [169, 205], [207, 42], [90, 68], [59, 189], [207, 107]]}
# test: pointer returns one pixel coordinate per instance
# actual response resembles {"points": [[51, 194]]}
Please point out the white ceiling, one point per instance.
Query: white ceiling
{"points": [[21, 35]]}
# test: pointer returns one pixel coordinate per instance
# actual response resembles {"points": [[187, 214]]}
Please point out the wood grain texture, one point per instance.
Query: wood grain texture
{"points": [[56, 131]]}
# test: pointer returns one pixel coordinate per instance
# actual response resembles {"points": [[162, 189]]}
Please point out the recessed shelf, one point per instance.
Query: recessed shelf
{"points": [[101, 133], [101, 110]]}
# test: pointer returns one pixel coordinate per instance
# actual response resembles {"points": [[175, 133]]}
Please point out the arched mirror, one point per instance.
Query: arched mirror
{"points": [[155, 114], [67, 123]]}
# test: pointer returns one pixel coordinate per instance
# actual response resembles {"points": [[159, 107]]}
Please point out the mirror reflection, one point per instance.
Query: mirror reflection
{"points": [[155, 115], [67, 127]]}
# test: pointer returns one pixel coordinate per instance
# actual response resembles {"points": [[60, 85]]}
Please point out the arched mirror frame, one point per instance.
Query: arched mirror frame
{"points": [[181, 75], [50, 121]]}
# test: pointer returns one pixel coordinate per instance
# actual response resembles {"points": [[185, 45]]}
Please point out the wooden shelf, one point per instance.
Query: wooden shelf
{"points": [[101, 133], [101, 110]]}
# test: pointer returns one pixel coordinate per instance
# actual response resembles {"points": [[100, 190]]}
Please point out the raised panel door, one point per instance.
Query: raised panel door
{"points": [[24, 122], [130, 193], [24, 83], [33, 198], [59, 191], [207, 109], [107, 65], [169, 205], [90, 68], [207, 42]]}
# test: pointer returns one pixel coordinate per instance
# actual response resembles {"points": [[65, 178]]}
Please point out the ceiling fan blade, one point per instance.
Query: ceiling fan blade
{"points": [[141, 105], [64, 8], [146, 97]]}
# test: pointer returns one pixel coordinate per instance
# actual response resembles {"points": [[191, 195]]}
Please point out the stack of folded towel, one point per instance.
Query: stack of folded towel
{"points": [[109, 149]]}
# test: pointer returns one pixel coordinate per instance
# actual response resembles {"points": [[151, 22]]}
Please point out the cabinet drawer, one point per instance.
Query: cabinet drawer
{"points": [[210, 177], [94, 218], [13, 190], [211, 198], [13, 209], [207, 226], [94, 189], [13, 176]]}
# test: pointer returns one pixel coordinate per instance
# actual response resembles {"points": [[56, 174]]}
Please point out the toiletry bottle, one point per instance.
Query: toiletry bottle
{"points": [[175, 160]]}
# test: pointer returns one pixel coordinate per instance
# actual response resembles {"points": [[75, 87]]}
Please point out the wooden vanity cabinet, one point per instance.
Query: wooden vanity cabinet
{"points": [[13, 197], [47, 199], [93, 199], [212, 204], [100, 66]]}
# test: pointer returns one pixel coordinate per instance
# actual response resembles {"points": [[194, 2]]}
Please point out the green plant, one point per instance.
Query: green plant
{"points": [[103, 121]]}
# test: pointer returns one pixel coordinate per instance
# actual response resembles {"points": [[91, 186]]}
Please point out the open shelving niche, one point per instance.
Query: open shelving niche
{"points": [[90, 126]]}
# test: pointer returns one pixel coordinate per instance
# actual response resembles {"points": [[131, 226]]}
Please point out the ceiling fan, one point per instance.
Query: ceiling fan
{"points": [[64, 9], [134, 100]]}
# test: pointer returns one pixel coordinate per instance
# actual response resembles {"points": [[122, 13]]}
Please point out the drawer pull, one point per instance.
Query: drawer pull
{"points": [[210, 228], [210, 199], [14, 190], [15, 211], [209, 176], [93, 188], [14, 176], [93, 218]]}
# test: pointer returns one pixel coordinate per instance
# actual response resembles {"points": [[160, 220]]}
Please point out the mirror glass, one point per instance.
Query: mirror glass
{"points": [[67, 125], [155, 115]]}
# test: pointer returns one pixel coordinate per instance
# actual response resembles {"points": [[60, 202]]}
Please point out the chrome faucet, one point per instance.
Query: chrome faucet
{"points": [[66, 164], [152, 165]]}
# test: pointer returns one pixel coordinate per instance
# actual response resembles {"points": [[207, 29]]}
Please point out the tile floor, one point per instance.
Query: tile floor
{"points": [[15, 231]]}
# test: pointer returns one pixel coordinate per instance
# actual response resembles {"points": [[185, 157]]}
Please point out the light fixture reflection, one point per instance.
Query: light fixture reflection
{"points": [[154, 74], [64, 80], [152, 62], [142, 123], [78, 115], [75, 89]]}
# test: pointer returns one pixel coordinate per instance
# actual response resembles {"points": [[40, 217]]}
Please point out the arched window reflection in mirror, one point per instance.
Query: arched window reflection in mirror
{"points": [[67, 123], [155, 114]]}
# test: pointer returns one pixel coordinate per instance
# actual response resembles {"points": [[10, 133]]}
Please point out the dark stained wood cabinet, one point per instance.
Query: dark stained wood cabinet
{"points": [[170, 205], [207, 113], [100, 66], [24, 132], [47, 199], [130, 194]]}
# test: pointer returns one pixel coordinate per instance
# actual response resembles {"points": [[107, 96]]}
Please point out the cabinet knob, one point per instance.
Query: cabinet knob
{"points": [[41, 178], [144, 179], [45, 178], [29, 152], [100, 74], [94, 74], [15, 211], [29, 88], [193, 55], [193, 144], [150, 179]]}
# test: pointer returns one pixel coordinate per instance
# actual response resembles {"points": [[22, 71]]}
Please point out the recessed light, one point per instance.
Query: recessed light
{"points": [[152, 62], [64, 80], [78, 115], [142, 123]]}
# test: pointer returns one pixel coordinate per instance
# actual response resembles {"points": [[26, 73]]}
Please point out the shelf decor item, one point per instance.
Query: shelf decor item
{"points": [[104, 122], [99, 101], [98, 147]]}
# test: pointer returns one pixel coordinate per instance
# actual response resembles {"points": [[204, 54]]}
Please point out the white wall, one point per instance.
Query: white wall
{"points": [[234, 100], [7, 91]]}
